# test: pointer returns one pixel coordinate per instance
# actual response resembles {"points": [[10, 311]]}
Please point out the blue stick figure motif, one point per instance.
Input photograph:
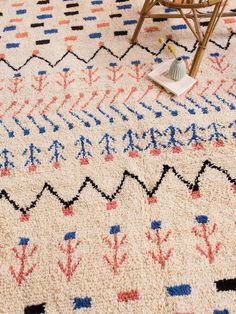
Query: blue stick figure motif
{"points": [[7, 162], [55, 148], [216, 135], [83, 142], [172, 131], [106, 140], [195, 138], [32, 151], [153, 134], [130, 136]]}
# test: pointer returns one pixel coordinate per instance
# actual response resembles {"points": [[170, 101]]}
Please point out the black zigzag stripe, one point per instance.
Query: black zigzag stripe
{"points": [[193, 187], [190, 50]]}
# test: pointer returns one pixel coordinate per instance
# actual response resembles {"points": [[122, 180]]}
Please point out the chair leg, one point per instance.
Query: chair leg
{"points": [[140, 21], [202, 45], [137, 29]]}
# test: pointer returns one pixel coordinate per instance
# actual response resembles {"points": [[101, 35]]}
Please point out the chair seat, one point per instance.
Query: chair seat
{"points": [[188, 4]]}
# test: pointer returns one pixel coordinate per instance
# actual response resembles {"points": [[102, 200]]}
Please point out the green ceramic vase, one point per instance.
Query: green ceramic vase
{"points": [[177, 69]]}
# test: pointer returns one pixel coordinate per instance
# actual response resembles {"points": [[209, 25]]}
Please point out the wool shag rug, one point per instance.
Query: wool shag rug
{"points": [[115, 197]]}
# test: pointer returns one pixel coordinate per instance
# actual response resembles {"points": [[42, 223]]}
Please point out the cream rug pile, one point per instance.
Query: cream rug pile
{"points": [[114, 196]]}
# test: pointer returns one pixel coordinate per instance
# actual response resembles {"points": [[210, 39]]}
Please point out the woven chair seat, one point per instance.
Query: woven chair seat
{"points": [[188, 4]]}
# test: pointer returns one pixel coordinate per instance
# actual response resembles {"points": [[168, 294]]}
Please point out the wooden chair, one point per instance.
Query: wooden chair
{"points": [[193, 14]]}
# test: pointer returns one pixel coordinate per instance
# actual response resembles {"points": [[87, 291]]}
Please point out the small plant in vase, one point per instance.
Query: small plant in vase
{"points": [[177, 69]]}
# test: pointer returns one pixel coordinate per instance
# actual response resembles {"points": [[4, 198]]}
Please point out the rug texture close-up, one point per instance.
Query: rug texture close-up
{"points": [[115, 196]]}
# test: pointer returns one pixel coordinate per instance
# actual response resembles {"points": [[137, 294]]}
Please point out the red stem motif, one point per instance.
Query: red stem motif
{"points": [[69, 268], [66, 79], [161, 257], [115, 261], [90, 76], [16, 85], [137, 74], [40, 83], [205, 233], [115, 76], [22, 273], [218, 64]]}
